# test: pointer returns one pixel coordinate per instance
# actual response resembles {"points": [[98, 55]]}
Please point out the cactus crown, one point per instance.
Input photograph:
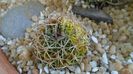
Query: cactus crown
{"points": [[60, 45]]}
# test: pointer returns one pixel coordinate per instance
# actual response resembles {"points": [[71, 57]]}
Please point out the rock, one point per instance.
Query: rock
{"points": [[112, 49], [72, 68], [130, 66], [77, 70], [94, 14], [46, 69], [25, 55], [125, 71], [117, 66], [131, 54], [113, 57], [93, 64], [29, 63], [102, 70], [129, 61], [123, 38], [88, 68], [99, 48], [2, 43], [88, 73], [82, 66], [104, 58], [2, 38], [67, 72], [114, 72], [17, 19], [94, 39], [95, 69]]}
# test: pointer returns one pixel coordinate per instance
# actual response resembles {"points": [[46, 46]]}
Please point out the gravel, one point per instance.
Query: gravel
{"points": [[110, 49]]}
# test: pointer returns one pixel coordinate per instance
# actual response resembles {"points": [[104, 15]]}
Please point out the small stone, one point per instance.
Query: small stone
{"points": [[29, 72], [46, 69], [88, 73], [89, 53], [104, 58], [130, 66], [34, 18], [10, 42], [53, 71], [30, 63], [40, 66], [2, 38], [125, 71], [77, 70], [129, 61], [114, 72], [19, 70], [40, 71], [82, 66], [113, 57], [104, 41], [94, 39], [112, 49], [93, 64], [120, 57], [88, 67], [118, 65], [25, 55], [72, 68], [95, 69], [2, 43], [123, 38], [67, 72], [131, 54], [99, 48], [102, 70]]}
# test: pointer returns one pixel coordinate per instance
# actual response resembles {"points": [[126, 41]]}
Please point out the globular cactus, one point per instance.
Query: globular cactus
{"points": [[60, 45]]}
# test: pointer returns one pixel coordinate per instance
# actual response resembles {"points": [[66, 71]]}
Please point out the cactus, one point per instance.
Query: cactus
{"points": [[60, 45]]}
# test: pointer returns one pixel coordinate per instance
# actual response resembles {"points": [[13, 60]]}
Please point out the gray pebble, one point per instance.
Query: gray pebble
{"points": [[17, 19]]}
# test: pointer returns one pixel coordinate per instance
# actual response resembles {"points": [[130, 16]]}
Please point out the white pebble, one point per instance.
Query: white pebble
{"points": [[89, 53], [114, 72], [20, 49], [131, 54], [82, 66], [95, 69], [41, 16], [67, 72], [77, 70], [10, 42], [46, 69], [129, 61], [2, 38], [19, 70], [93, 64], [104, 58], [113, 57], [87, 72], [40, 71], [52, 71], [94, 39]]}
